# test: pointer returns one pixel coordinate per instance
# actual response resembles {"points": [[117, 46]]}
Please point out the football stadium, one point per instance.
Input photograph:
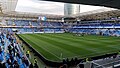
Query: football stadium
{"points": [[59, 34]]}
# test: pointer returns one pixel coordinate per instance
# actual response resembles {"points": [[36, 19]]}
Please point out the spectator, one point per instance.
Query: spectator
{"points": [[31, 65], [16, 65], [35, 60], [35, 65], [28, 53], [3, 66]]}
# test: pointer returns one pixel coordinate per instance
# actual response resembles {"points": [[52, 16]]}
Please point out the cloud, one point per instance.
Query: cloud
{"points": [[86, 8], [46, 7], [36, 6]]}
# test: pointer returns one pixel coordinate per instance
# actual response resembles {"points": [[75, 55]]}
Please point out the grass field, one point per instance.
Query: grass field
{"points": [[57, 46]]}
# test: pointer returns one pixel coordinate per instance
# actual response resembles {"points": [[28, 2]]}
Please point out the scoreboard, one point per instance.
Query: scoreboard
{"points": [[42, 18]]}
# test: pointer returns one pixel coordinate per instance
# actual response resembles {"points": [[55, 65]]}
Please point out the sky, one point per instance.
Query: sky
{"points": [[46, 7]]}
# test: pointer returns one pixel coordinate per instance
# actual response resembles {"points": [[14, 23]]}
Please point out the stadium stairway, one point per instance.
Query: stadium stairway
{"points": [[108, 62]]}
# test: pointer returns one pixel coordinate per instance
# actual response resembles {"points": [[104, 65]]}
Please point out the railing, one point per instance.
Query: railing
{"points": [[112, 64]]}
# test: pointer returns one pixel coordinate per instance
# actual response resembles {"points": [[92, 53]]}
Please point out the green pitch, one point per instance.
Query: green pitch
{"points": [[55, 47]]}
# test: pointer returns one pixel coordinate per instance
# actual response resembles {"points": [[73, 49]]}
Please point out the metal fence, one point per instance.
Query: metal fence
{"points": [[113, 64]]}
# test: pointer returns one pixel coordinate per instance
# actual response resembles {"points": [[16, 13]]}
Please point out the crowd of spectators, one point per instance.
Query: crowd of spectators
{"points": [[11, 55]]}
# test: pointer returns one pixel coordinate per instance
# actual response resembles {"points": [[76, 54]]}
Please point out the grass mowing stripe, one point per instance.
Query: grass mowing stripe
{"points": [[59, 44], [44, 52], [72, 42], [86, 45], [90, 38], [94, 40], [97, 44], [53, 48], [83, 56], [102, 51], [65, 42], [38, 41], [79, 56], [96, 49]]}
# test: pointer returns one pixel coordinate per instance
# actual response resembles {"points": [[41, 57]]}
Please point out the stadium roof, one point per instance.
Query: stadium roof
{"points": [[7, 7], [101, 15], [95, 11], [106, 3]]}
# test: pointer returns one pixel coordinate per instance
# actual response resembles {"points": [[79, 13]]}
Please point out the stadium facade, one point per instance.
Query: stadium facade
{"points": [[70, 9]]}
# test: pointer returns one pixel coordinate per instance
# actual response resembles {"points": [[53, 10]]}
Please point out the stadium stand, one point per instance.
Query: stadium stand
{"points": [[11, 55], [11, 52]]}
